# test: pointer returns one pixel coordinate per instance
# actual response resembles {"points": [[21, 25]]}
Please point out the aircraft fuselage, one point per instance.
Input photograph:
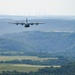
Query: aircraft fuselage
{"points": [[27, 25]]}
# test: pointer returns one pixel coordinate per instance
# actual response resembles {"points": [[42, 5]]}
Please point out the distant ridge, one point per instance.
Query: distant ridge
{"points": [[62, 43]]}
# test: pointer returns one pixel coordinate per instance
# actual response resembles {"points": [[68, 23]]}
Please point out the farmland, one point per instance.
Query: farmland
{"points": [[5, 58], [19, 67], [22, 67]]}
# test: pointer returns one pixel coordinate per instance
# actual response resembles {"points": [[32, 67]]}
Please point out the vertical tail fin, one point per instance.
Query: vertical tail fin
{"points": [[26, 20]]}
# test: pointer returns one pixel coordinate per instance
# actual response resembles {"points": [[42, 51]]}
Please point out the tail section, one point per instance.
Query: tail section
{"points": [[26, 20]]}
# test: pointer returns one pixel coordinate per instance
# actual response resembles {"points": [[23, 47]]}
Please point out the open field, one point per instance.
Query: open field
{"points": [[21, 67], [8, 58]]}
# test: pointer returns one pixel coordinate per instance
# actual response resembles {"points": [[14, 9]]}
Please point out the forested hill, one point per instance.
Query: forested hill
{"points": [[36, 41]]}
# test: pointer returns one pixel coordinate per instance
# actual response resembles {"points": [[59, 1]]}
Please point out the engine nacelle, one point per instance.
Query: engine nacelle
{"points": [[16, 23], [36, 23], [31, 23], [22, 24]]}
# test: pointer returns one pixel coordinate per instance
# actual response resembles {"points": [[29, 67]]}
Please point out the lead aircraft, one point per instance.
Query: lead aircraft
{"points": [[27, 24]]}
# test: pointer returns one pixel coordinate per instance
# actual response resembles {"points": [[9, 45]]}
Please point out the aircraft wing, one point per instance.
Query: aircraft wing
{"points": [[17, 23], [36, 23]]}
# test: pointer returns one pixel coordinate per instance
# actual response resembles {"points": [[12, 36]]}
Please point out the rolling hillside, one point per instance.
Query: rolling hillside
{"points": [[62, 43]]}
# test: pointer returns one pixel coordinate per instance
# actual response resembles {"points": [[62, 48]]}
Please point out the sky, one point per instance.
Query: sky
{"points": [[37, 7]]}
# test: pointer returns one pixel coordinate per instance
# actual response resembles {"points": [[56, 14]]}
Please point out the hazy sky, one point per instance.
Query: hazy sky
{"points": [[37, 7]]}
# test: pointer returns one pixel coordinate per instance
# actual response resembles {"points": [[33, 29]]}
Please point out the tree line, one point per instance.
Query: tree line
{"points": [[59, 61]]}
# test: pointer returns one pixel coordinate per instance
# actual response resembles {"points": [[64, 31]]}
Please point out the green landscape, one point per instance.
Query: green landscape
{"points": [[38, 52], [19, 67], [68, 69], [6, 66], [3, 58]]}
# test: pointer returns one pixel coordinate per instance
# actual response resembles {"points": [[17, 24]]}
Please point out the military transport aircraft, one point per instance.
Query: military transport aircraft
{"points": [[27, 24]]}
